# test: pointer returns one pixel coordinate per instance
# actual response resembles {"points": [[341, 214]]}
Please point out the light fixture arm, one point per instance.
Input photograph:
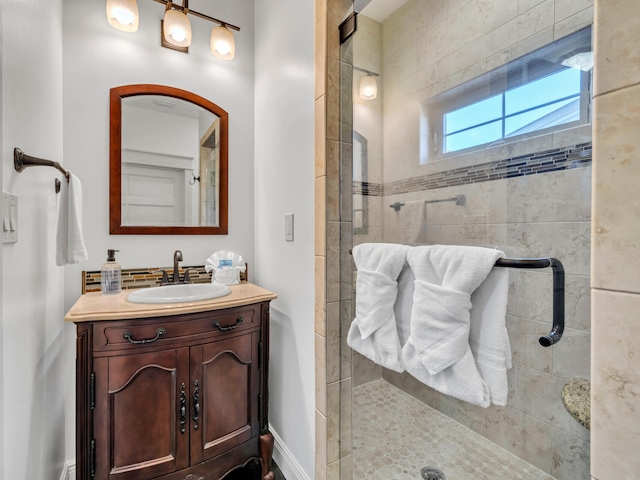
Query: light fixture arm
{"points": [[373, 74], [185, 10]]}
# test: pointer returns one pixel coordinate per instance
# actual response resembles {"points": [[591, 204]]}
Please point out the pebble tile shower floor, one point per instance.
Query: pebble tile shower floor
{"points": [[395, 436]]}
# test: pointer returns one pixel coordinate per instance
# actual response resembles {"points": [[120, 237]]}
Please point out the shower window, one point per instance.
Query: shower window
{"points": [[541, 92], [538, 105]]}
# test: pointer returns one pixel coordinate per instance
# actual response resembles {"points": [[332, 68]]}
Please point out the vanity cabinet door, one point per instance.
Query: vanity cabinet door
{"points": [[140, 428], [225, 385]]}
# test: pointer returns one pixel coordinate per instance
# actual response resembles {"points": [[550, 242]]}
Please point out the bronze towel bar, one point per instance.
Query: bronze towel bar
{"points": [[21, 161], [557, 327]]}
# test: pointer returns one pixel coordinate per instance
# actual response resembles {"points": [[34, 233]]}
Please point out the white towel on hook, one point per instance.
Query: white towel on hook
{"points": [[373, 333], [69, 240], [437, 351]]}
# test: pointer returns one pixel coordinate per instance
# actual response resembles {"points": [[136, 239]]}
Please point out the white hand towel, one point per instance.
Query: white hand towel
{"points": [[69, 240], [488, 338], [438, 351], [373, 332]]}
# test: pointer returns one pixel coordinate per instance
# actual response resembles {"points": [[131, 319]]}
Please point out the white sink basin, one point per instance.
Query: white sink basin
{"points": [[193, 292]]}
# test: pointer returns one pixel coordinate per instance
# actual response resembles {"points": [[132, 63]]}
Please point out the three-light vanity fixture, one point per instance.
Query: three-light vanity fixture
{"points": [[176, 28]]}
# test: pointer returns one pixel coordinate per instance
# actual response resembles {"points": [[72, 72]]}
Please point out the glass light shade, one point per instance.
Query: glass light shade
{"points": [[176, 28], [123, 15], [368, 88], [223, 44], [583, 61]]}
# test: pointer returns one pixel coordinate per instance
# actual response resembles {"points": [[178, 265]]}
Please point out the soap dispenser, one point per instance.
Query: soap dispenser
{"points": [[110, 274]]}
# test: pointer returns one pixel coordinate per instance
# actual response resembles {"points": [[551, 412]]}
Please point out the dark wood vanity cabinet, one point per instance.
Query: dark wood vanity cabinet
{"points": [[173, 397]]}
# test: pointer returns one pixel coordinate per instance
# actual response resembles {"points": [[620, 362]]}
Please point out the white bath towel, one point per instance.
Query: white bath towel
{"points": [[373, 332], [69, 240], [438, 352], [488, 337]]}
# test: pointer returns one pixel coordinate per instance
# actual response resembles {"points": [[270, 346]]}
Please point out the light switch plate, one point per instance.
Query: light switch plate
{"points": [[9, 218], [288, 227]]}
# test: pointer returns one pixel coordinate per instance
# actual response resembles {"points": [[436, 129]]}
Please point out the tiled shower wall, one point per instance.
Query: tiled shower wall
{"points": [[615, 389], [530, 199]]}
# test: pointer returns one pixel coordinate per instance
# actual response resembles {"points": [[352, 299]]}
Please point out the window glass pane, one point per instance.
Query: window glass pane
{"points": [[474, 114], [544, 90], [472, 137], [544, 117]]}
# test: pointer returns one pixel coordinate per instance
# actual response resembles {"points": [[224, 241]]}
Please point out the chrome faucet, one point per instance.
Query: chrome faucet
{"points": [[177, 257]]}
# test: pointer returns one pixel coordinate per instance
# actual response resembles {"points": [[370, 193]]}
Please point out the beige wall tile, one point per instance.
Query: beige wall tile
{"points": [[333, 262], [333, 99], [514, 51], [320, 47], [520, 434], [573, 23], [571, 456], [346, 317], [566, 8], [320, 290], [524, 5], [617, 31], [479, 17], [320, 216], [615, 385], [333, 422], [333, 181], [526, 351], [539, 394], [320, 137], [321, 375], [337, 11], [333, 342], [563, 196], [346, 412], [521, 239], [532, 21], [321, 446], [464, 57], [574, 358], [572, 246], [615, 218], [438, 41]]}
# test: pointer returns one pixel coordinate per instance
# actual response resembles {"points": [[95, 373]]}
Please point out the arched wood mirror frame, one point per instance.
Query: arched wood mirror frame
{"points": [[115, 160]]}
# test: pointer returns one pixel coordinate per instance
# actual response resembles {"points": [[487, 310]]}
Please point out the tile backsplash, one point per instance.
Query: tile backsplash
{"points": [[147, 277]]}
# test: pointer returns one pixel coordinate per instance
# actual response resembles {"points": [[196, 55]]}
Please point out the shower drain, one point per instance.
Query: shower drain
{"points": [[430, 473]]}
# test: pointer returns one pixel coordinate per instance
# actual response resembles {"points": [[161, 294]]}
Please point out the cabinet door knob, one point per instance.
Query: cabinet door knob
{"points": [[239, 320], [129, 336]]}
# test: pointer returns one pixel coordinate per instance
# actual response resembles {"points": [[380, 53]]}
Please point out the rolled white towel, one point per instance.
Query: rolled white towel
{"points": [[373, 332]]}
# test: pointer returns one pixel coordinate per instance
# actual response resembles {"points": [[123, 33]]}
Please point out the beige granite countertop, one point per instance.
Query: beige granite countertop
{"points": [[95, 306], [576, 397]]}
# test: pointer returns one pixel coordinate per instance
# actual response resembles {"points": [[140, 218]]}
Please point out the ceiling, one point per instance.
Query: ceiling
{"points": [[378, 10]]}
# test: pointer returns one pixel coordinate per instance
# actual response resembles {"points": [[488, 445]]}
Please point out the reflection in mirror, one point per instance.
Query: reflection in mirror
{"points": [[168, 162]]}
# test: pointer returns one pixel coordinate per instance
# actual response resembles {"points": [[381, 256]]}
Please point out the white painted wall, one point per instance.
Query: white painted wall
{"points": [[97, 57], [33, 344], [284, 166]]}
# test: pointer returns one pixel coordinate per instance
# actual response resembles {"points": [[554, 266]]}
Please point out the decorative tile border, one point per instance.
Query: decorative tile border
{"points": [[147, 277], [542, 162]]}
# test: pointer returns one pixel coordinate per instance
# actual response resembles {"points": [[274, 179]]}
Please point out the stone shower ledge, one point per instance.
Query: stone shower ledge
{"points": [[576, 397]]}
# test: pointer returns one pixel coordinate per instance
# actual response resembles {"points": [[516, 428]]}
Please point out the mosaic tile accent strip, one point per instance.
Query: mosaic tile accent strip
{"points": [[147, 277], [542, 162], [396, 436]]}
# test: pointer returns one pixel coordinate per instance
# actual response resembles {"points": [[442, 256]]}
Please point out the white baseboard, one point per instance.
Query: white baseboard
{"points": [[69, 471], [287, 463]]}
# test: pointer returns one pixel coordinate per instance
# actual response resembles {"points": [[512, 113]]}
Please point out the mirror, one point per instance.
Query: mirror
{"points": [[168, 162]]}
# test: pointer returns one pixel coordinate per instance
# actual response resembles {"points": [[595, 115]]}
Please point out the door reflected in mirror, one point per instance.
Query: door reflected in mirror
{"points": [[168, 162]]}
